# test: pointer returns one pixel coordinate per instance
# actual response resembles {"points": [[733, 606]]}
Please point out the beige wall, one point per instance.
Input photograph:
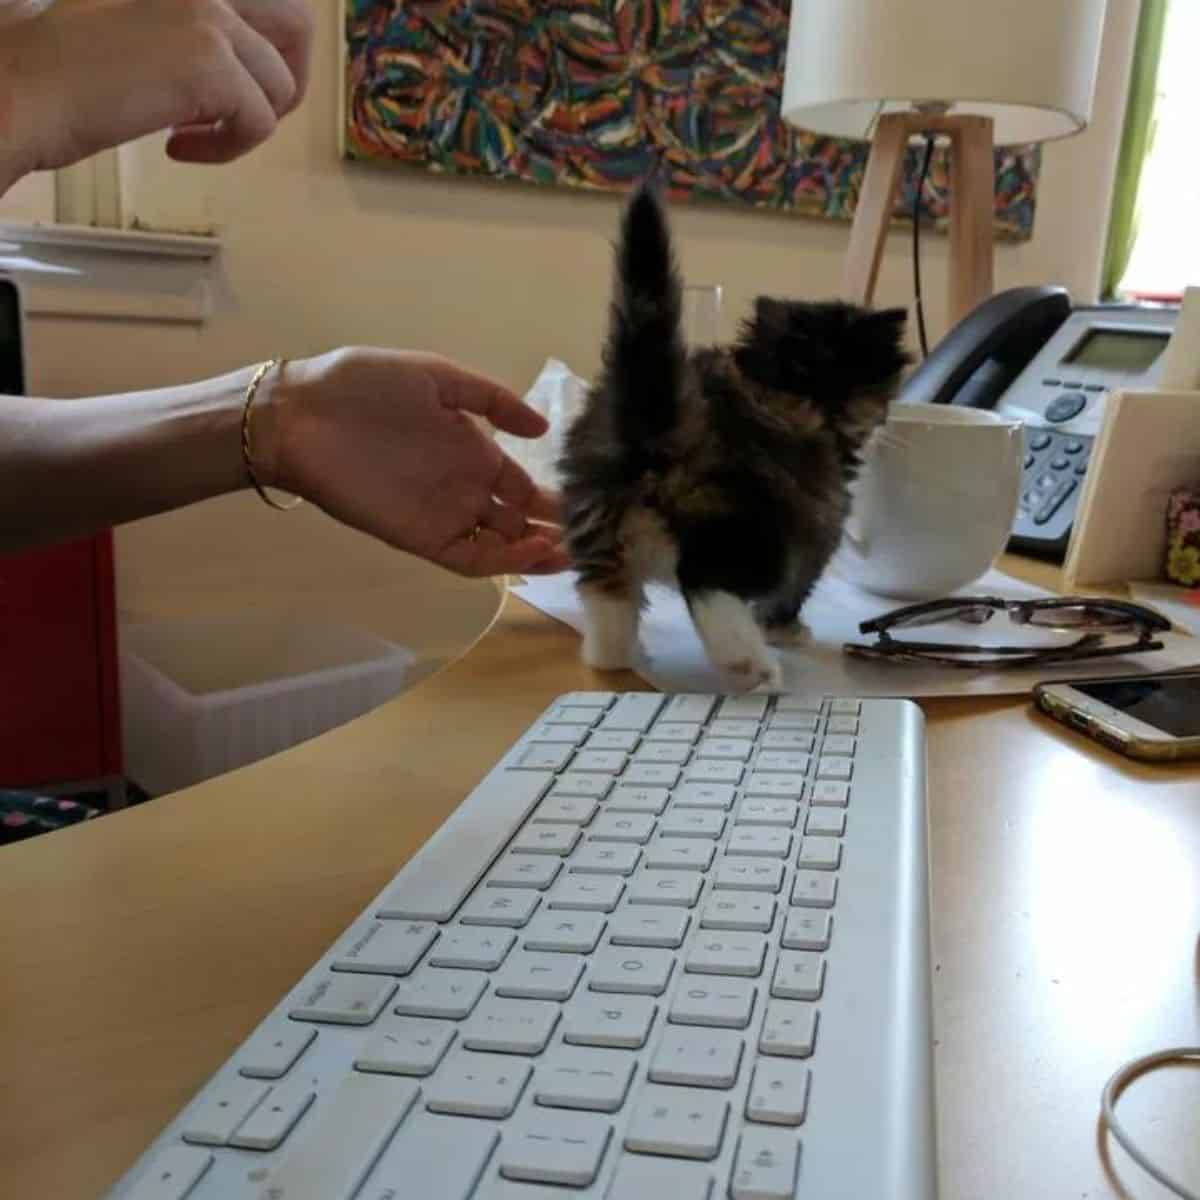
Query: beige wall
{"points": [[319, 252]]}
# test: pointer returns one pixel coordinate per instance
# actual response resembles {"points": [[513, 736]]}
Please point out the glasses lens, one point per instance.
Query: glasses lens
{"points": [[950, 610], [1083, 616]]}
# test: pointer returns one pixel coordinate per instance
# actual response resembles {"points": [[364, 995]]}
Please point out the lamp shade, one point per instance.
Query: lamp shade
{"points": [[1030, 65]]}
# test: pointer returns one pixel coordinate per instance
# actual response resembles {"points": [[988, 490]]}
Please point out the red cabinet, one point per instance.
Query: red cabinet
{"points": [[59, 705]]}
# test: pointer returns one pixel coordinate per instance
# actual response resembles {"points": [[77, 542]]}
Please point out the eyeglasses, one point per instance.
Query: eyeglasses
{"points": [[1096, 622]]}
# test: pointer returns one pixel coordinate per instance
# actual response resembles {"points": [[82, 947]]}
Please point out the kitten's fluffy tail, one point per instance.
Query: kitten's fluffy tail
{"points": [[645, 354]]}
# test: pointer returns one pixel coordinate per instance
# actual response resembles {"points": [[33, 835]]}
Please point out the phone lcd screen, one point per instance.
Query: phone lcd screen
{"points": [[1118, 350], [1172, 704]]}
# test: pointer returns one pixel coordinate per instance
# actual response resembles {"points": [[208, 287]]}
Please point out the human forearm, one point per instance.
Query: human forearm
{"points": [[69, 467]]}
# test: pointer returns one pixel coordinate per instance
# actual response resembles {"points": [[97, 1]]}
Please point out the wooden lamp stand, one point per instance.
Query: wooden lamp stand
{"points": [[972, 190]]}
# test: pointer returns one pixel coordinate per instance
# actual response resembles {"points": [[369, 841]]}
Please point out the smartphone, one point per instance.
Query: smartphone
{"points": [[1153, 717]]}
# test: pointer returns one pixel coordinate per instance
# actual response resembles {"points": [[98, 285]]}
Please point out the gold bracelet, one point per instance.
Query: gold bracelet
{"points": [[247, 452]]}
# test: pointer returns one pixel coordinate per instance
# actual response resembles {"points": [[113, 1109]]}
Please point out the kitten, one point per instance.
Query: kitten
{"points": [[720, 471]]}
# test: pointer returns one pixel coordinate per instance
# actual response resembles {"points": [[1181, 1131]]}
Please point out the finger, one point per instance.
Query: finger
{"points": [[514, 487], [474, 393], [491, 554], [266, 66], [248, 121], [288, 26], [509, 522]]}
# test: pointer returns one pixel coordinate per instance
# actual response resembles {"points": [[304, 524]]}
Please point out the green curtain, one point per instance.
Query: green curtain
{"points": [[1136, 139]]}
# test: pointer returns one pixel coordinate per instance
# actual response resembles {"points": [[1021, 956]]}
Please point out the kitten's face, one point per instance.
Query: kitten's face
{"points": [[845, 359]]}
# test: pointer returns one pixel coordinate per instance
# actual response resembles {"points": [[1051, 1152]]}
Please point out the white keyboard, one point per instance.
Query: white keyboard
{"points": [[670, 947]]}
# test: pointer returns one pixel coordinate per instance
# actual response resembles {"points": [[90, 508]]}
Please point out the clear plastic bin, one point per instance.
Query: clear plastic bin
{"points": [[199, 698]]}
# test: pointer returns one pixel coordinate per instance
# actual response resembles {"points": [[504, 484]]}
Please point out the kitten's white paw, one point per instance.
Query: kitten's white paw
{"points": [[749, 674], [610, 629], [796, 634], [605, 655], [734, 641]]}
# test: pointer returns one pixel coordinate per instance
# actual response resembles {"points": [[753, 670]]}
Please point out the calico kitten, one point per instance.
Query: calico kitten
{"points": [[722, 471]]}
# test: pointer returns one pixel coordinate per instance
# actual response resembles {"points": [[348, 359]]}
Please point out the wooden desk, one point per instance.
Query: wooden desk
{"points": [[138, 951]]}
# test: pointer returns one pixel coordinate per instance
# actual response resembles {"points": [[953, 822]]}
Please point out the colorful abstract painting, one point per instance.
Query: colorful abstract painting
{"points": [[598, 93]]}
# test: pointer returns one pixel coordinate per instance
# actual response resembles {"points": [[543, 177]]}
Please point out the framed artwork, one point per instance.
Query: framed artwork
{"points": [[600, 93]]}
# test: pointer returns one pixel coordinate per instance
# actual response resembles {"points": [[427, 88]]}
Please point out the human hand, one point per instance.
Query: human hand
{"points": [[381, 440], [218, 73]]}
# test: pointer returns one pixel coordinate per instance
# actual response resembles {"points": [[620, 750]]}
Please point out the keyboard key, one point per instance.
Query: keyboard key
{"points": [[803, 722], [478, 1085], [434, 993], [765, 1166], [836, 795], [565, 810], [587, 893], [778, 1092], [596, 1080], [759, 842], [677, 1122], [638, 799], [723, 1003], [478, 949], [727, 954], [406, 1046], [613, 739], [707, 1058], [621, 827], [549, 1148], [631, 970], [172, 1174], [842, 725], [704, 795], [733, 729], [501, 906], [737, 749], [590, 700], [714, 770], [829, 821], [343, 999], [447, 1155], [814, 889], [571, 714], [543, 756], [788, 1029], [604, 858], [633, 711], [692, 823], [269, 1124], [674, 731], [838, 743], [640, 925], [638, 1178], [848, 708], [566, 735], [781, 785], [680, 888], [564, 932], [332, 1158], [642, 774], [833, 766], [799, 975], [749, 875], [608, 762], [525, 871], [271, 1053], [546, 839], [386, 948], [752, 913], [539, 976], [752, 708], [680, 853], [795, 740], [685, 707], [807, 929], [784, 761], [511, 1026], [820, 853], [797, 703], [674, 753], [221, 1109], [580, 783], [618, 1021], [759, 811]]}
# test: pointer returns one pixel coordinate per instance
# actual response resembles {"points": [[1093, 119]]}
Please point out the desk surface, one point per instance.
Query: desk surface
{"points": [[139, 950]]}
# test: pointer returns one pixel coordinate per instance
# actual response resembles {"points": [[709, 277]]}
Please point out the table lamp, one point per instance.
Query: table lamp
{"points": [[980, 73]]}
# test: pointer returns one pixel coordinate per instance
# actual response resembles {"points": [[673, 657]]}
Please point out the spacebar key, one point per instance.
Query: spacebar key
{"points": [[356, 1124], [440, 876]]}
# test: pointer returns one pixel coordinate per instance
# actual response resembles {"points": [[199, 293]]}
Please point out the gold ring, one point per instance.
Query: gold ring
{"points": [[473, 536]]}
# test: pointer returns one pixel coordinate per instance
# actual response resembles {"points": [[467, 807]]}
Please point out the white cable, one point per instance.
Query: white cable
{"points": [[1119, 1081]]}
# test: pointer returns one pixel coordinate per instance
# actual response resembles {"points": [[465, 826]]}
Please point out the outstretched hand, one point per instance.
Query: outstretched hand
{"points": [[385, 441]]}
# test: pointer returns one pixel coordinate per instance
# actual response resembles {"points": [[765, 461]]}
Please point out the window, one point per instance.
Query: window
{"points": [[1165, 254]]}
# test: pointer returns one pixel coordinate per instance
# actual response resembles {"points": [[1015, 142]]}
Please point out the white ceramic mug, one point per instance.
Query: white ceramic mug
{"points": [[935, 501]]}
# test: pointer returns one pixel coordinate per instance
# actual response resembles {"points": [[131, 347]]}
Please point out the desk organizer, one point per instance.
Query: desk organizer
{"points": [[200, 698]]}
